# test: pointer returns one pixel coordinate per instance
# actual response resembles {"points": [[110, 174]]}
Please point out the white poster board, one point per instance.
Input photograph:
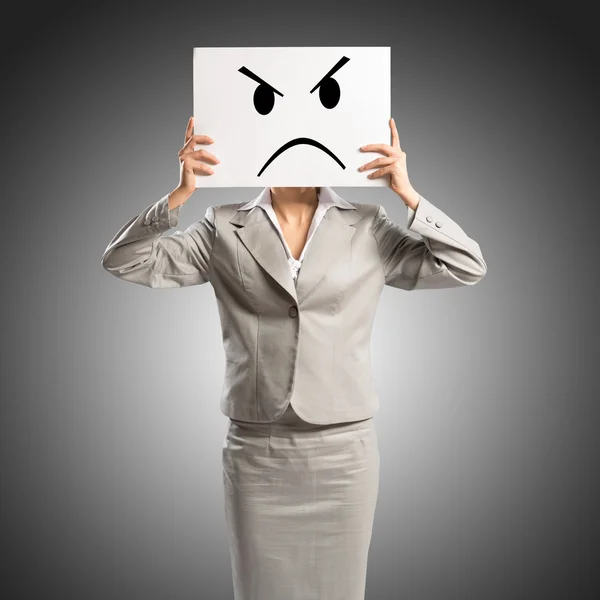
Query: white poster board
{"points": [[292, 116]]}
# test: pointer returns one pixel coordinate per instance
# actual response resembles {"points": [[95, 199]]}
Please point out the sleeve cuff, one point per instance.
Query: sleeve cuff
{"points": [[423, 206], [167, 218], [412, 213], [411, 216]]}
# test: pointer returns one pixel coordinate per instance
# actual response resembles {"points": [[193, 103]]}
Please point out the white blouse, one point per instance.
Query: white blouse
{"points": [[327, 198]]}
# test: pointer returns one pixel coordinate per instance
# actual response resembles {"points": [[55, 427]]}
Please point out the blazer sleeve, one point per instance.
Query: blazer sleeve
{"points": [[444, 256], [140, 253]]}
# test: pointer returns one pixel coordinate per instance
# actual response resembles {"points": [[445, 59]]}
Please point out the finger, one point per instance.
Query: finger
{"points": [[385, 148], [194, 141], [202, 154], [202, 139], [378, 162], [395, 136], [380, 172], [197, 167], [189, 130]]}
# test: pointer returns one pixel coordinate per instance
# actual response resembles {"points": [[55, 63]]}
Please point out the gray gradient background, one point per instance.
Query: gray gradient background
{"points": [[111, 430]]}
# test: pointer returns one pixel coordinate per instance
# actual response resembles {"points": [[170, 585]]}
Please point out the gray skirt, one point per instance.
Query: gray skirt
{"points": [[300, 501]]}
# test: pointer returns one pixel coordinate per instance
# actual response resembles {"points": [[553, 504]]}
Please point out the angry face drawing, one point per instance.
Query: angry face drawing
{"points": [[329, 96]]}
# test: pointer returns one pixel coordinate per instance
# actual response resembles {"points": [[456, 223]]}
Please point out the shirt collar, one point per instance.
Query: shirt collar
{"points": [[327, 198]]}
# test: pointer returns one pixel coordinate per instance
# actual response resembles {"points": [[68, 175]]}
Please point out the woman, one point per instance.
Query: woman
{"points": [[297, 274]]}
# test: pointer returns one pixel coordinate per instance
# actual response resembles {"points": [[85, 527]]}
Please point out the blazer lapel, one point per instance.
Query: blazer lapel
{"points": [[330, 240], [258, 234]]}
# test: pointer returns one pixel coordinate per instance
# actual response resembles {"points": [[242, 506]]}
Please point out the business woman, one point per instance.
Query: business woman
{"points": [[297, 274]]}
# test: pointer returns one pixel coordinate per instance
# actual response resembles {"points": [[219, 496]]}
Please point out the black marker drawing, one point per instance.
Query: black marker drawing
{"points": [[264, 101]]}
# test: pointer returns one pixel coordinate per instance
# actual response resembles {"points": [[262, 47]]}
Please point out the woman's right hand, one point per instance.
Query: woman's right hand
{"points": [[191, 161]]}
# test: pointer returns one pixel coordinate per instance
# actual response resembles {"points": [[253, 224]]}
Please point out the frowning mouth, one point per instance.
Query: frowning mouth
{"points": [[295, 142]]}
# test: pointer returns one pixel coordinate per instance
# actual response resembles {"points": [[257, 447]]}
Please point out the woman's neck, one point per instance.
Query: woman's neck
{"points": [[294, 205]]}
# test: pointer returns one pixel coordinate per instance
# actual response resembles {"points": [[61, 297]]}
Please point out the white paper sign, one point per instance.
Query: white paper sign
{"points": [[292, 116]]}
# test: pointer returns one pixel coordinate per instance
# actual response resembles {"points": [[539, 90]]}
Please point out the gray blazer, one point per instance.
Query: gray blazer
{"points": [[307, 342]]}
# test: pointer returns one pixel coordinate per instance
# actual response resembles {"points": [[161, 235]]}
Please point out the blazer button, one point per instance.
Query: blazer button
{"points": [[293, 312], [147, 222], [429, 219], [154, 219], [438, 224]]}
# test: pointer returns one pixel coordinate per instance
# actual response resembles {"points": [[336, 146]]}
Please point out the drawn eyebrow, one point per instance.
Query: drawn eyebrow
{"points": [[256, 78], [340, 63]]}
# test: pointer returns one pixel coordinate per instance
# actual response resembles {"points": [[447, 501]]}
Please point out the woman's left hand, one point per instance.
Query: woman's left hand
{"points": [[394, 164]]}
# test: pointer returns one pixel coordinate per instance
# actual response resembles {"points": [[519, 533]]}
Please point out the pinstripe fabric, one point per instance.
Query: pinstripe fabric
{"points": [[300, 501]]}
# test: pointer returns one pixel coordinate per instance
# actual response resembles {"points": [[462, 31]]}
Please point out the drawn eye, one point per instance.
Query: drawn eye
{"points": [[264, 99], [329, 93]]}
